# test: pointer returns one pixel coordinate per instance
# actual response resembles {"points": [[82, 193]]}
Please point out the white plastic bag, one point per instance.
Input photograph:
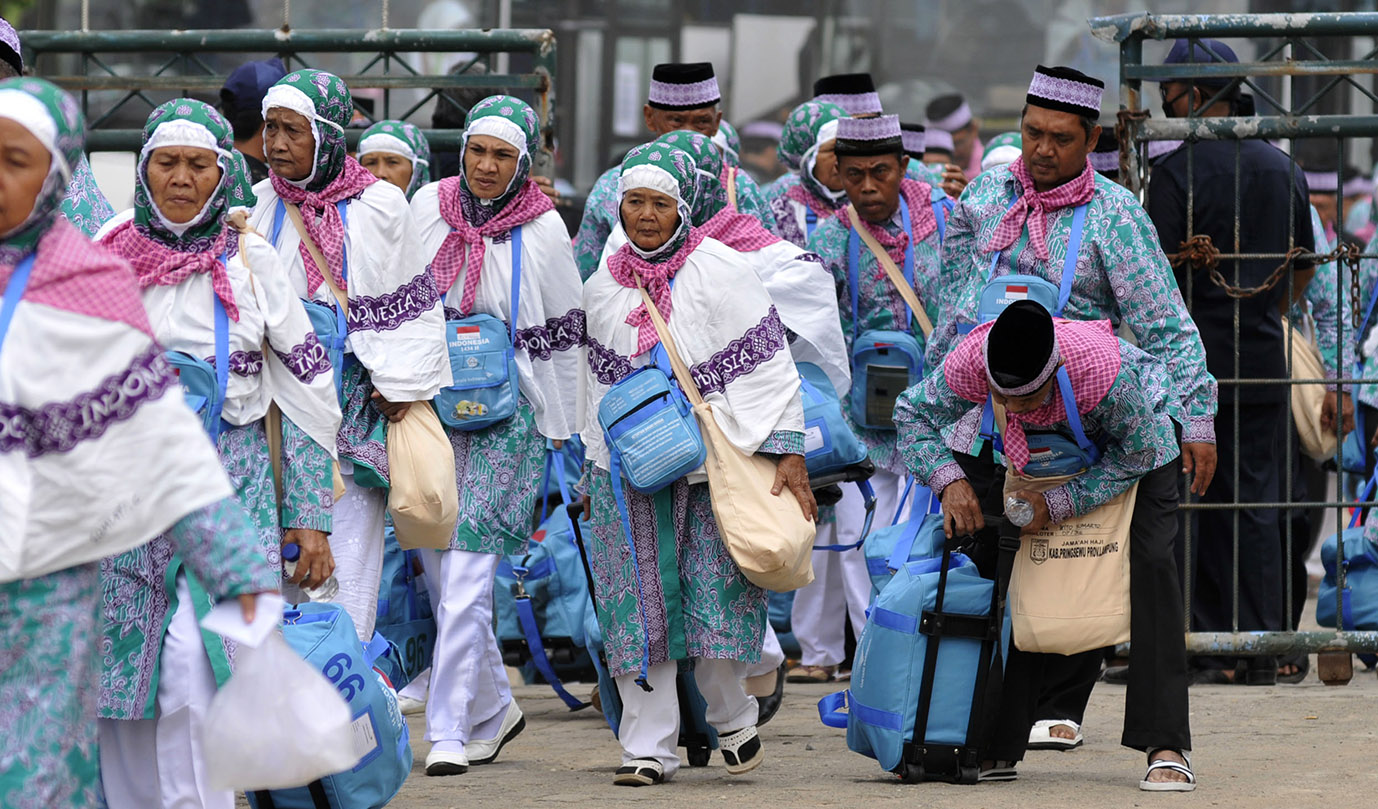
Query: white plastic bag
{"points": [[278, 723]]}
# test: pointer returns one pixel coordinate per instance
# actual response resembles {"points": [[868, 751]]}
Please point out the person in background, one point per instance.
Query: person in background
{"points": [[665, 587], [397, 152], [452, 106], [1002, 150], [743, 194], [937, 147], [84, 206], [1105, 158], [77, 335], [871, 162], [853, 92], [681, 96], [159, 675], [395, 355], [1358, 194], [470, 226], [952, 114], [912, 136], [760, 139], [241, 102], [812, 192]]}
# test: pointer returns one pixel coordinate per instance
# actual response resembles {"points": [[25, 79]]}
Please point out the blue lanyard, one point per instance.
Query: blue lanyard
{"points": [[14, 290], [810, 221], [1069, 263], [222, 357], [854, 263], [516, 282]]}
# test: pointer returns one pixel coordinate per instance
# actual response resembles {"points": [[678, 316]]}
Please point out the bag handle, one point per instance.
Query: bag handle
{"points": [[896, 277], [732, 188], [14, 290], [686, 379], [294, 213]]}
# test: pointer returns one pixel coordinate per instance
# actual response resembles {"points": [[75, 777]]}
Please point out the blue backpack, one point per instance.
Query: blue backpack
{"points": [[541, 599], [203, 386], [652, 435], [919, 537], [1358, 601], [897, 685], [829, 443], [325, 637], [327, 319], [483, 361], [405, 615], [885, 362], [1001, 291]]}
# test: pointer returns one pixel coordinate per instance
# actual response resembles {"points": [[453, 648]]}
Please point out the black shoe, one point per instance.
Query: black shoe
{"points": [[767, 706], [741, 750], [1119, 675]]}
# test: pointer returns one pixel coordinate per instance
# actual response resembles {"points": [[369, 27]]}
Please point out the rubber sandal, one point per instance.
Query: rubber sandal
{"points": [[1041, 735], [998, 771], [1303, 666], [810, 674], [1169, 786], [639, 772]]}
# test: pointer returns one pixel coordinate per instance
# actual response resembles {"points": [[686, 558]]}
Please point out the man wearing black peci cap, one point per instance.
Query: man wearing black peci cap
{"points": [[853, 92]]}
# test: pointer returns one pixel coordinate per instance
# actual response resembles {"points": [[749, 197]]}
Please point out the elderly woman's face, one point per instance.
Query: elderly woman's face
{"points": [[288, 144], [489, 164], [181, 180], [388, 167], [649, 217], [24, 165]]}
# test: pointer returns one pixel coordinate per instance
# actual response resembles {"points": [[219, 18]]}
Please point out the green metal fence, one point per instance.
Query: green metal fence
{"points": [[183, 69], [1287, 49]]}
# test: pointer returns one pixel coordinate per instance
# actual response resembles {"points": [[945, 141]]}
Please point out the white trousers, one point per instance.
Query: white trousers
{"points": [[152, 763], [469, 691], [356, 542], [771, 654], [841, 587], [650, 721]]}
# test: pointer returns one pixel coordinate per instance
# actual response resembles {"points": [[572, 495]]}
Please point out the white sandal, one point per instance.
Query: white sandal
{"points": [[1041, 735], [1166, 764]]}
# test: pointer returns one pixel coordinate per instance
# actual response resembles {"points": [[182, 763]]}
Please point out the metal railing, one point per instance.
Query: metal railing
{"points": [[1286, 50], [184, 70]]}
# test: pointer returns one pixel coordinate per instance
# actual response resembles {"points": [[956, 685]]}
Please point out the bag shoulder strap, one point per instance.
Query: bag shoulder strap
{"points": [[1069, 263], [896, 277], [686, 379], [516, 283], [14, 290], [294, 213], [732, 188], [222, 358]]}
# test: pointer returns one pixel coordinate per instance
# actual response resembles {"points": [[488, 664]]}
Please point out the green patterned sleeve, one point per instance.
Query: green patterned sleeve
{"points": [[923, 414], [960, 255], [222, 547], [596, 226], [307, 490]]}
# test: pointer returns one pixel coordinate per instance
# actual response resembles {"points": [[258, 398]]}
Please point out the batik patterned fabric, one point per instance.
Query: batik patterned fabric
{"points": [[697, 602], [1121, 276], [49, 677], [499, 472], [1132, 425], [801, 130], [85, 206], [241, 184], [600, 217], [400, 137], [1367, 393], [140, 587], [789, 204], [880, 304], [186, 122], [750, 200], [1328, 308]]}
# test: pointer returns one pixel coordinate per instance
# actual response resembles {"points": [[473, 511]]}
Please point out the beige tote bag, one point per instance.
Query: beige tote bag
{"points": [[1309, 400], [423, 497], [1070, 589], [767, 536]]}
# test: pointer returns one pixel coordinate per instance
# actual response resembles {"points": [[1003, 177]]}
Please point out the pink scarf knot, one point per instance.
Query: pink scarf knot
{"points": [[156, 264], [322, 218], [463, 245], [626, 267], [1033, 207]]}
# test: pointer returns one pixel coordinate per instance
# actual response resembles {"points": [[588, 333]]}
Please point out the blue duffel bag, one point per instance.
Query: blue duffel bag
{"points": [[919, 537], [324, 636], [405, 615], [1359, 599]]}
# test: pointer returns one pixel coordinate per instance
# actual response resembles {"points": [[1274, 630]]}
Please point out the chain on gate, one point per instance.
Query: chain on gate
{"points": [[1202, 254]]}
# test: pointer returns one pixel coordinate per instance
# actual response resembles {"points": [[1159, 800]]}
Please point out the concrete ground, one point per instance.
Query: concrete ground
{"points": [[1304, 745]]}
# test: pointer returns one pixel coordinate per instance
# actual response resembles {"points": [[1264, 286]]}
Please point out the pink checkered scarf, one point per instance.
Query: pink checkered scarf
{"points": [[75, 275], [821, 208], [917, 196], [1034, 206], [626, 267], [156, 264], [742, 232], [322, 220], [464, 245], [1090, 352]]}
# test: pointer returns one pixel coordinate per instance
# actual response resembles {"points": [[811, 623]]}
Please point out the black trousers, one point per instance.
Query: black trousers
{"points": [[1262, 428], [1308, 483], [1156, 700], [1067, 684]]}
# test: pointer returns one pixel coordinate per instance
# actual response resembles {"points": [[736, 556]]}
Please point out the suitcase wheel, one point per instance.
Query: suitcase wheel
{"points": [[909, 772], [969, 775]]}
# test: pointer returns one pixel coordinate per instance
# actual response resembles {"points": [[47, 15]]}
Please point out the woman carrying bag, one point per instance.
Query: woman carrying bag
{"points": [[502, 260], [348, 244], [666, 587], [192, 265]]}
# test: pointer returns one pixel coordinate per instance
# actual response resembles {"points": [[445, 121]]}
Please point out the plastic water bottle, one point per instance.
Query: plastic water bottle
{"points": [[291, 553], [1019, 511]]}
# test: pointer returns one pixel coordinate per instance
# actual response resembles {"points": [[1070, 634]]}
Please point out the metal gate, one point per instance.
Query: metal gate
{"points": [[1287, 50]]}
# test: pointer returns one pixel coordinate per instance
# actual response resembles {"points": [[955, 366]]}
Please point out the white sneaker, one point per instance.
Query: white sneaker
{"points": [[443, 763], [483, 751], [410, 706]]}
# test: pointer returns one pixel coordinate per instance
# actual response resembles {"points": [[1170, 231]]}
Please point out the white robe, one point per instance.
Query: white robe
{"points": [[804, 293], [82, 384], [550, 321], [722, 320], [397, 328], [182, 316]]}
